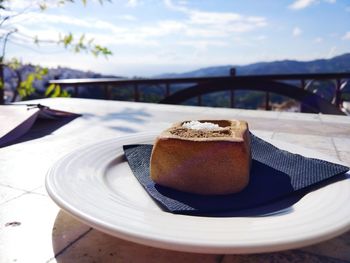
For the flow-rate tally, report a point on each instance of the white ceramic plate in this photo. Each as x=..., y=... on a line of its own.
x=96, y=185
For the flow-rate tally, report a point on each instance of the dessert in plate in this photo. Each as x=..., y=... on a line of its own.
x=211, y=157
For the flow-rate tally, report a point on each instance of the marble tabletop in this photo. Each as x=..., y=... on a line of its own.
x=34, y=229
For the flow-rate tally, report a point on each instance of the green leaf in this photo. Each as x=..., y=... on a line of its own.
x=54, y=91
x=43, y=71
x=21, y=90
x=49, y=89
x=26, y=86
x=30, y=79
x=97, y=50
x=57, y=91
x=65, y=94
x=81, y=39
x=67, y=40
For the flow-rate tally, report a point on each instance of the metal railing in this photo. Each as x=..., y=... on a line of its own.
x=294, y=86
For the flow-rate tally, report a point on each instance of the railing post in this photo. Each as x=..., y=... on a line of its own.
x=199, y=100
x=267, y=101
x=136, y=93
x=167, y=89
x=76, y=90
x=303, y=83
x=232, y=98
x=2, y=84
x=338, y=93
x=232, y=91
x=107, y=92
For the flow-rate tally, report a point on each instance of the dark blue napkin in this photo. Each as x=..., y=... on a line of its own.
x=275, y=174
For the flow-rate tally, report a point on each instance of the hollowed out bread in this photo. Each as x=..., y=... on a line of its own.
x=210, y=162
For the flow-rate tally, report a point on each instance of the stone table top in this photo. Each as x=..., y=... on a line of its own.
x=34, y=229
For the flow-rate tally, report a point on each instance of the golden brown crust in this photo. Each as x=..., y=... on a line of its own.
x=203, y=165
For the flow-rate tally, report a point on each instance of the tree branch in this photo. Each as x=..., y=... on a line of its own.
x=5, y=42
x=19, y=80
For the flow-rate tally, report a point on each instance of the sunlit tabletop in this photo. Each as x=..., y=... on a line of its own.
x=34, y=229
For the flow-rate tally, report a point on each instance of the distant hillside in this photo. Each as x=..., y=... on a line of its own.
x=11, y=80
x=252, y=99
x=244, y=99
x=335, y=65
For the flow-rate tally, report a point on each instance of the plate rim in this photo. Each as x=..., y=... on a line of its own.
x=166, y=243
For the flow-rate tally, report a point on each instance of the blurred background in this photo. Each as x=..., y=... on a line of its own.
x=44, y=40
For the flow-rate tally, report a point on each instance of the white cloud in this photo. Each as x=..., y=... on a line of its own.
x=133, y=3
x=237, y=22
x=48, y=28
x=296, y=32
x=18, y=5
x=318, y=40
x=127, y=17
x=347, y=36
x=211, y=22
x=132, y=38
x=183, y=2
x=188, y=35
x=202, y=44
x=260, y=38
x=197, y=28
x=39, y=18
x=162, y=28
x=35, y=5
x=301, y=4
x=181, y=7
x=207, y=28
x=203, y=18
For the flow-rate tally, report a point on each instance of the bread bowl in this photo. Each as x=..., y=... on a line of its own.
x=210, y=157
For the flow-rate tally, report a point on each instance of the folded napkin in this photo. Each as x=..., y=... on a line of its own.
x=18, y=119
x=275, y=174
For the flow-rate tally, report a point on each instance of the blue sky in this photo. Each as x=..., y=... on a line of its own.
x=150, y=37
